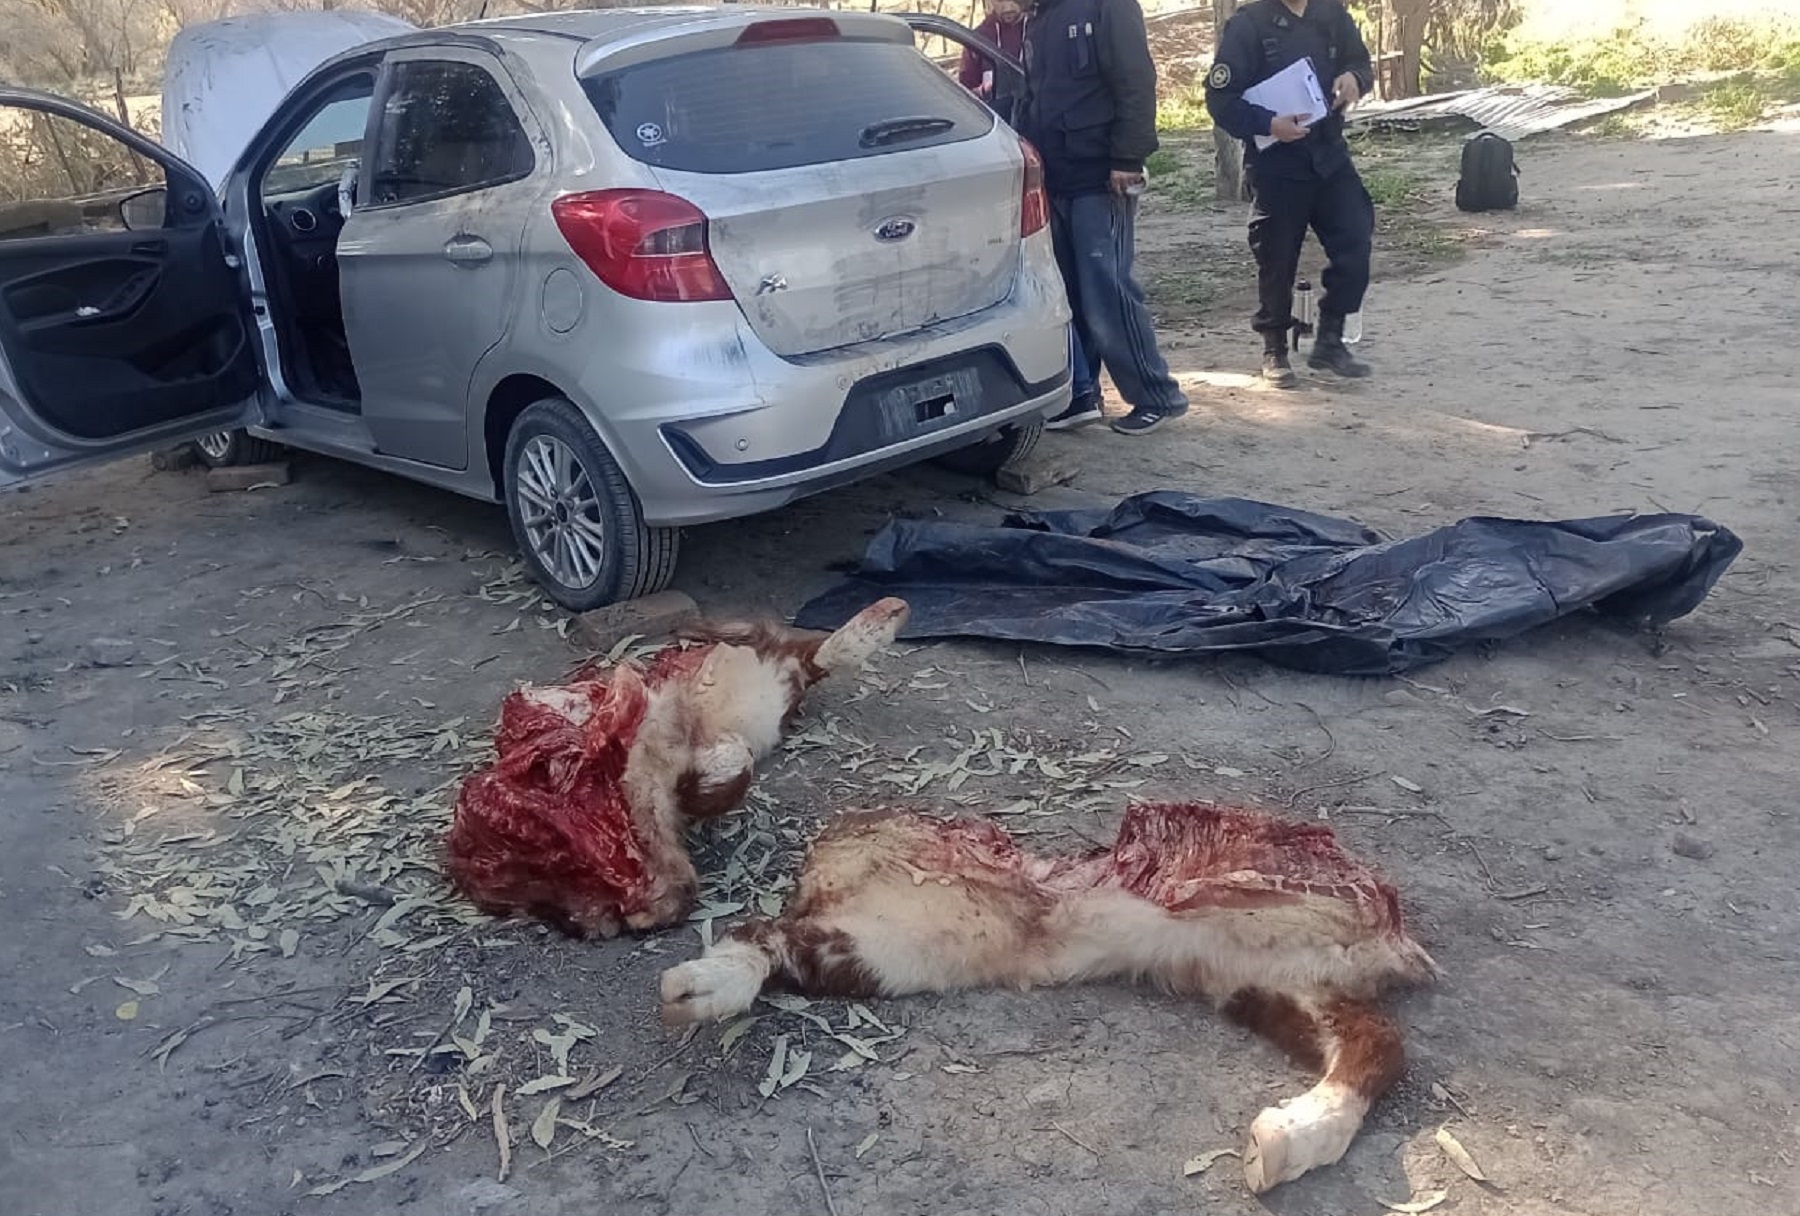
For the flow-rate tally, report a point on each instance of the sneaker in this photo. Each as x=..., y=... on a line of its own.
x=1141, y=421
x=1277, y=371
x=1083, y=411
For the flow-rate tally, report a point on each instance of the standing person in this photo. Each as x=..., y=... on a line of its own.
x=1304, y=179
x=1005, y=28
x=1090, y=110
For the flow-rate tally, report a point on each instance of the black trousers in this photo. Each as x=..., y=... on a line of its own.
x=1340, y=210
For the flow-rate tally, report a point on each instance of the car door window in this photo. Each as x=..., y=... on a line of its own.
x=60, y=178
x=446, y=128
x=329, y=143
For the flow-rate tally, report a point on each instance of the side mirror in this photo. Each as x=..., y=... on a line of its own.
x=146, y=210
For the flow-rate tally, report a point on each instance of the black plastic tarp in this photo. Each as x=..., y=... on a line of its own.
x=1171, y=572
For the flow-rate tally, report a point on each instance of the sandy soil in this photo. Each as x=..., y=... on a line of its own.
x=220, y=713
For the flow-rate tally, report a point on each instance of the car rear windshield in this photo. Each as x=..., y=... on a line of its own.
x=748, y=109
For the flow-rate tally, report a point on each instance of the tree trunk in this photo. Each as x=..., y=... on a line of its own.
x=1228, y=153
x=1410, y=19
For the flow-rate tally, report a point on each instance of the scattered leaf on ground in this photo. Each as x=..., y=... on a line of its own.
x=127, y=1011
x=1411, y=787
x=1204, y=1162
x=502, y=1132
x=1459, y=1156
x=866, y=1143
x=1424, y=1203
x=596, y=1083
x=374, y=1172
x=543, y=1128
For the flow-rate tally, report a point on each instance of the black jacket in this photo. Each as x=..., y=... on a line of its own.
x=1090, y=92
x=1259, y=41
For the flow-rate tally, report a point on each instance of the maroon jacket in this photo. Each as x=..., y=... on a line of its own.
x=1008, y=36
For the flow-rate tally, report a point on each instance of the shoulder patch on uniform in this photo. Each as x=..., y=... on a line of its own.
x=1219, y=77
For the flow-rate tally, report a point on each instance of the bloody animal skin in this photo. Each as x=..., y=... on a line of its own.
x=578, y=821
x=1269, y=920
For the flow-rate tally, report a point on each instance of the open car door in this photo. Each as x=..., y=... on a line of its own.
x=926, y=26
x=124, y=321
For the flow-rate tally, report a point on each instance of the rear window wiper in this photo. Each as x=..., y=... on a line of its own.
x=898, y=130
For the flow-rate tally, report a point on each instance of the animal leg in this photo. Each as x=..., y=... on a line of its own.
x=862, y=636
x=1354, y=1044
x=726, y=980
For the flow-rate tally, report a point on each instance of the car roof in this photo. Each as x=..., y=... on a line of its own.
x=610, y=24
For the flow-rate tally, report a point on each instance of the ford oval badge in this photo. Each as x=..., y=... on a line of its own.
x=896, y=229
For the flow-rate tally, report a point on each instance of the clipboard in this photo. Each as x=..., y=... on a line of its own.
x=1294, y=90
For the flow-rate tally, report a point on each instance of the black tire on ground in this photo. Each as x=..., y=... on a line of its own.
x=586, y=543
x=984, y=459
x=226, y=449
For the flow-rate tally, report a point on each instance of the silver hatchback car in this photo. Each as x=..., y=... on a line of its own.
x=623, y=271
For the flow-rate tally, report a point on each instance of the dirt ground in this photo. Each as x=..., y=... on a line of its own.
x=230, y=727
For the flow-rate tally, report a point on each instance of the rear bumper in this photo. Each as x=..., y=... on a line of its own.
x=704, y=502
x=708, y=424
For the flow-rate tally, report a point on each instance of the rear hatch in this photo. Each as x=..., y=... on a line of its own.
x=852, y=190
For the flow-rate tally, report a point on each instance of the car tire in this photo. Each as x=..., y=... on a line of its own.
x=224, y=449
x=578, y=525
x=984, y=459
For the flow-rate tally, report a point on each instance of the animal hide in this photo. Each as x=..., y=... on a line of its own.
x=579, y=819
x=1269, y=920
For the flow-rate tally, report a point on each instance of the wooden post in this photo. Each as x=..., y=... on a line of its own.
x=1228, y=153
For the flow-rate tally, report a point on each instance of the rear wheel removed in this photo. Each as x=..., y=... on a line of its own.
x=1010, y=443
x=576, y=521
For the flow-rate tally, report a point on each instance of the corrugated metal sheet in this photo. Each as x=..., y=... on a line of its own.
x=1513, y=111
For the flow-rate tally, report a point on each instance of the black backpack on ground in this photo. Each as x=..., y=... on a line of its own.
x=1490, y=176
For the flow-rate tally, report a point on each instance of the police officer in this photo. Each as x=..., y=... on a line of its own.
x=1089, y=108
x=1304, y=179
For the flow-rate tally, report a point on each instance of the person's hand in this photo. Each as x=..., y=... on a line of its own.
x=1289, y=128
x=984, y=90
x=1345, y=92
x=1122, y=182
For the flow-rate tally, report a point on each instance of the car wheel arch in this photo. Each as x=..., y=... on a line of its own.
x=510, y=397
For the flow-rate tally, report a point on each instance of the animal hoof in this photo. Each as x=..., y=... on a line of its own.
x=1299, y=1135
x=711, y=988
x=1265, y=1157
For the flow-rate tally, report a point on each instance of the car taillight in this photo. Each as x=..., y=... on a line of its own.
x=642, y=243
x=789, y=29
x=1034, y=208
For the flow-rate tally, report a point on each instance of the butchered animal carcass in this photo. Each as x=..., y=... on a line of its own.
x=1268, y=919
x=579, y=819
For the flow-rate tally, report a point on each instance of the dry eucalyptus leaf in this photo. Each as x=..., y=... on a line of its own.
x=736, y=1031
x=596, y=1083
x=502, y=1132
x=777, y=1068
x=866, y=1143
x=1459, y=1156
x=545, y=1085
x=1411, y=787
x=1424, y=1203
x=374, y=1172
x=1204, y=1162
x=289, y=942
x=543, y=1128
x=140, y=987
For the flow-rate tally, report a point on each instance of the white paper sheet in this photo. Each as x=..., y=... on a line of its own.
x=1293, y=91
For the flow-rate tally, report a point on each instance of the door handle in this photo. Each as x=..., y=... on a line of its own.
x=468, y=250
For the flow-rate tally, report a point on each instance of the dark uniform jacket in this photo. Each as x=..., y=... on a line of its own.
x=1260, y=40
x=1090, y=92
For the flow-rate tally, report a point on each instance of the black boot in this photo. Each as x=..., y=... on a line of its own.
x=1329, y=354
x=1276, y=370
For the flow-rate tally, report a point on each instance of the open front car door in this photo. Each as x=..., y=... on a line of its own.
x=124, y=321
